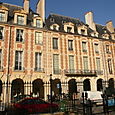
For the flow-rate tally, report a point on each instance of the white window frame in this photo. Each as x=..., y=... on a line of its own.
x=38, y=38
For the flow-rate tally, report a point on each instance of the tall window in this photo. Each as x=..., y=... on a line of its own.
x=2, y=17
x=70, y=44
x=0, y=59
x=82, y=32
x=20, y=20
x=71, y=64
x=18, y=60
x=38, y=23
x=98, y=64
x=38, y=38
x=56, y=64
x=96, y=47
x=38, y=61
x=109, y=66
x=19, y=35
x=108, y=49
x=85, y=63
x=84, y=47
x=1, y=33
x=55, y=43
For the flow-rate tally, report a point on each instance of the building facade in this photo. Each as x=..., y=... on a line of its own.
x=77, y=56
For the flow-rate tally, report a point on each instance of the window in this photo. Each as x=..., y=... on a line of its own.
x=84, y=47
x=96, y=47
x=56, y=64
x=18, y=60
x=98, y=64
x=2, y=17
x=55, y=43
x=38, y=23
x=69, y=29
x=19, y=35
x=1, y=33
x=109, y=66
x=82, y=32
x=38, y=61
x=54, y=27
x=38, y=38
x=108, y=49
x=85, y=63
x=70, y=44
x=20, y=20
x=71, y=64
x=0, y=59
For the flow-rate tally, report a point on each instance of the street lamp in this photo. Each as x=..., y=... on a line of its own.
x=51, y=87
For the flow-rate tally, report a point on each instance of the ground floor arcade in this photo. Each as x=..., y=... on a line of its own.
x=41, y=88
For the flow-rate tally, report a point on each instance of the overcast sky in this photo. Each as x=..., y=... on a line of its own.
x=104, y=10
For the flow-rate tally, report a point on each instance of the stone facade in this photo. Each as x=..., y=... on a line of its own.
x=91, y=47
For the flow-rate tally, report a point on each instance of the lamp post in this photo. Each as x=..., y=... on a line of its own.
x=51, y=88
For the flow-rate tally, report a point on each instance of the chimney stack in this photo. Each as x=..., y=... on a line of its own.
x=89, y=20
x=40, y=9
x=26, y=5
x=109, y=26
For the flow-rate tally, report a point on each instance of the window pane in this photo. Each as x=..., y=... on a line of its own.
x=38, y=61
x=110, y=66
x=98, y=64
x=20, y=20
x=38, y=38
x=18, y=60
x=2, y=16
x=96, y=48
x=85, y=62
x=19, y=35
x=1, y=32
x=70, y=44
x=56, y=63
x=84, y=47
x=55, y=43
x=38, y=23
x=71, y=64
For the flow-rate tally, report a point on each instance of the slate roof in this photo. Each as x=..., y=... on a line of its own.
x=60, y=20
x=11, y=10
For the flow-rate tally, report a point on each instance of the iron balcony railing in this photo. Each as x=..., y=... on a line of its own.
x=83, y=72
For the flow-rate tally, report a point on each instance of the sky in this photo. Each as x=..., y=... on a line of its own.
x=103, y=10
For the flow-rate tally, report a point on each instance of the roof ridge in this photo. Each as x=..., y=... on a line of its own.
x=65, y=16
x=12, y=5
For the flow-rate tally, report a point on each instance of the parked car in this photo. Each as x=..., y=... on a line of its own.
x=32, y=105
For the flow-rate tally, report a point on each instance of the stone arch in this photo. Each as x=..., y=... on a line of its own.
x=17, y=87
x=111, y=83
x=56, y=86
x=86, y=85
x=99, y=84
x=38, y=88
x=72, y=86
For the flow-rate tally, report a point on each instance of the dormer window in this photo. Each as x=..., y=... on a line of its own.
x=69, y=29
x=1, y=33
x=2, y=17
x=38, y=23
x=54, y=27
x=20, y=20
x=51, y=19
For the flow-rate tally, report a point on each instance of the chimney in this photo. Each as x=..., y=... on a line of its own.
x=40, y=9
x=26, y=5
x=109, y=26
x=89, y=20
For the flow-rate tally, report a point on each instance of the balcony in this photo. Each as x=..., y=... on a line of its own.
x=83, y=73
x=39, y=69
